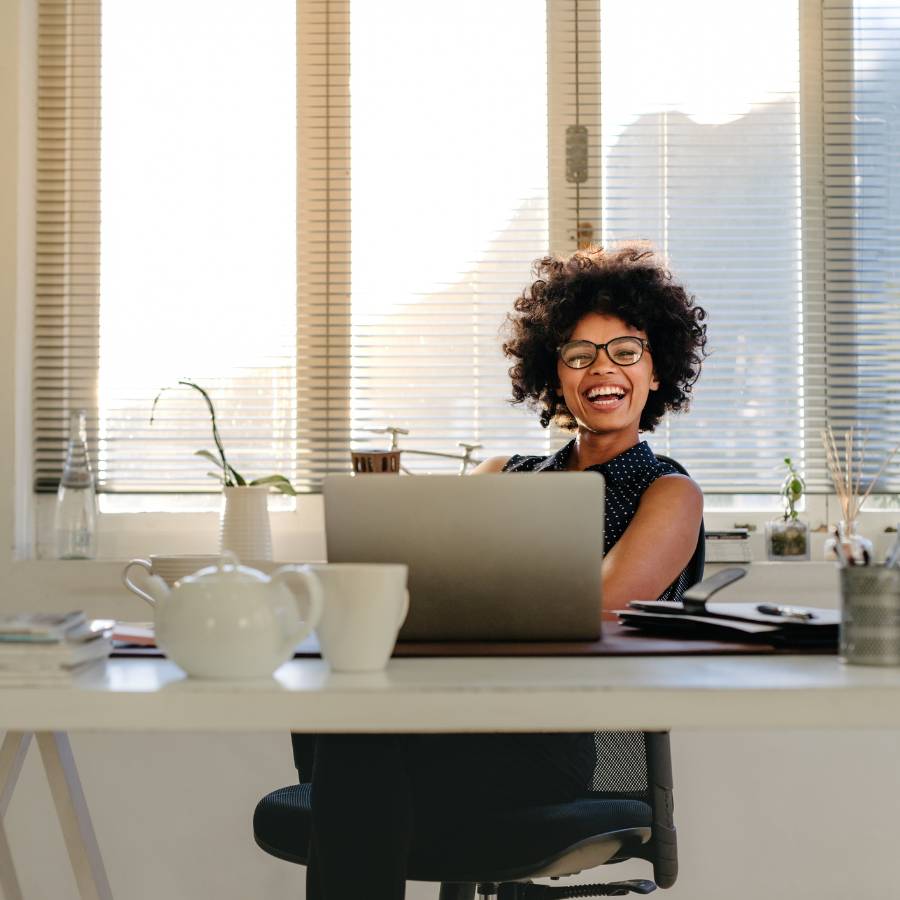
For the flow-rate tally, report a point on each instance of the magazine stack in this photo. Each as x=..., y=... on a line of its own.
x=50, y=648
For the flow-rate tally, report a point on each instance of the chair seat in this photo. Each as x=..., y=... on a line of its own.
x=484, y=845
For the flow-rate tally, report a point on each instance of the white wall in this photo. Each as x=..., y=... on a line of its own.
x=789, y=815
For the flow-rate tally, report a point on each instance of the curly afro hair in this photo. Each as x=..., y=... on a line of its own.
x=628, y=283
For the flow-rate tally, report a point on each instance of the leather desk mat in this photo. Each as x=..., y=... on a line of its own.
x=617, y=641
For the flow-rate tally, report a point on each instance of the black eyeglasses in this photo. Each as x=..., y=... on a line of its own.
x=623, y=351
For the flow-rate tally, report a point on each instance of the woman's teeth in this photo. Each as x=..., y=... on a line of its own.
x=604, y=399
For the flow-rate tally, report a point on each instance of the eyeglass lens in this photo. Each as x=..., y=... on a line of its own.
x=623, y=351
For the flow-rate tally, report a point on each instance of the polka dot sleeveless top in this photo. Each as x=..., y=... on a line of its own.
x=627, y=476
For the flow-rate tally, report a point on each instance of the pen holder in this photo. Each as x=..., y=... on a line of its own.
x=870, y=615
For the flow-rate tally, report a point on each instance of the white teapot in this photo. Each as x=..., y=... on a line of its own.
x=232, y=621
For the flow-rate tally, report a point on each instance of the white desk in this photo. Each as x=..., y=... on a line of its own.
x=485, y=694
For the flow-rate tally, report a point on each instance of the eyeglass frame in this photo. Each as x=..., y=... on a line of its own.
x=645, y=346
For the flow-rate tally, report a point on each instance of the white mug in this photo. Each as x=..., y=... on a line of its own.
x=364, y=606
x=174, y=568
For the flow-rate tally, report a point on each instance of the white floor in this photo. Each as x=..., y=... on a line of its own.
x=791, y=816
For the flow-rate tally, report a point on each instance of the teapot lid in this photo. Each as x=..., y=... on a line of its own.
x=228, y=569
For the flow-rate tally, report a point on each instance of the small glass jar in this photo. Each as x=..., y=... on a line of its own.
x=787, y=540
x=858, y=549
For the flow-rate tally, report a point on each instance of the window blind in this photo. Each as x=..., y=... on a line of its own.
x=701, y=159
x=449, y=167
x=166, y=238
x=67, y=264
x=861, y=125
x=482, y=136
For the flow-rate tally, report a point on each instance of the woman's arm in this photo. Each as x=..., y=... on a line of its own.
x=494, y=464
x=657, y=544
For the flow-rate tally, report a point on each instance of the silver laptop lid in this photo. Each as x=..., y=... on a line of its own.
x=491, y=557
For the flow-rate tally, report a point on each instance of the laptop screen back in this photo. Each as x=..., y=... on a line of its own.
x=491, y=557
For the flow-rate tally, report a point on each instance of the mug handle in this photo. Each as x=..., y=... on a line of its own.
x=288, y=574
x=144, y=564
x=403, y=609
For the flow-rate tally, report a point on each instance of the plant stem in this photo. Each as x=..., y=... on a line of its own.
x=226, y=468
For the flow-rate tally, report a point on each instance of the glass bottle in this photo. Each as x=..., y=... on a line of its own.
x=858, y=549
x=75, y=522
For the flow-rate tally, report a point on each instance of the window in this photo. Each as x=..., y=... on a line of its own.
x=169, y=251
x=433, y=162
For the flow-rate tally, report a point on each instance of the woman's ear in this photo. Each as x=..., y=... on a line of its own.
x=654, y=382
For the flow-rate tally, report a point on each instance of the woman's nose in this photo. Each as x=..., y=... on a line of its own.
x=601, y=364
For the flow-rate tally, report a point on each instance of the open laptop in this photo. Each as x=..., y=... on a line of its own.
x=491, y=557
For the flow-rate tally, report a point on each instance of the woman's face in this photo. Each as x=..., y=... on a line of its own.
x=587, y=391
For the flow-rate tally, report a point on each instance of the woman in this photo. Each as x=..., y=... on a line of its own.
x=604, y=343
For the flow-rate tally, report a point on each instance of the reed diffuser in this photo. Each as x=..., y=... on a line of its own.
x=846, y=475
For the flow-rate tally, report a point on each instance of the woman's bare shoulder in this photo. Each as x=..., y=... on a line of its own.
x=488, y=466
x=674, y=488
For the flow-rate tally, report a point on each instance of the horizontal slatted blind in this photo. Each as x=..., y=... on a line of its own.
x=323, y=238
x=770, y=190
x=701, y=158
x=189, y=270
x=861, y=65
x=67, y=265
x=450, y=209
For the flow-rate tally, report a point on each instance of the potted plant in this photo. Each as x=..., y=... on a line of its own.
x=244, y=523
x=787, y=538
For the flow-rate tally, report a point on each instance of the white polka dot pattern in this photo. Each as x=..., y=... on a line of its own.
x=627, y=476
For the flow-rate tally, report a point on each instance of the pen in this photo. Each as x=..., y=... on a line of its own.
x=788, y=612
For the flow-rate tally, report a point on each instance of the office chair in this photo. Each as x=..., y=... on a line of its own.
x=626, y=813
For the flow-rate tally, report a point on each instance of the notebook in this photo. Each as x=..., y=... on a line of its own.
x=491, y=557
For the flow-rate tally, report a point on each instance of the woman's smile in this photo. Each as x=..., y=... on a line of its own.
x=605, y=396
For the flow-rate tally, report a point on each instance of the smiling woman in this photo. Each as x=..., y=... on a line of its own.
x=605, y=343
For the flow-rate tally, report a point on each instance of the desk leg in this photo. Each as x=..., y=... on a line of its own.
x=12, y=755
x=71, y=808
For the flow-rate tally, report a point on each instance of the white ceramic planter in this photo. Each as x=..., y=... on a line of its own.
x=245, y=528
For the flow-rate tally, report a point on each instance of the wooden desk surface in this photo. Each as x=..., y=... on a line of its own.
x=485, y=694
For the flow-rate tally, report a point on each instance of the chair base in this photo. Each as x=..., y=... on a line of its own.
x=527, y=891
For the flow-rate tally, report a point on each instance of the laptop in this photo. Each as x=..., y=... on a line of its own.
x=491, y=557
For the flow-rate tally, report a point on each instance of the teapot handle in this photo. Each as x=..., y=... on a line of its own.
x=314, y=592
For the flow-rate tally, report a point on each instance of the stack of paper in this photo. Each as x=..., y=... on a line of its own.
x=48, y=648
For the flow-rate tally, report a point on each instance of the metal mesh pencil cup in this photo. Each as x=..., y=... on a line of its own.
x=870, y=615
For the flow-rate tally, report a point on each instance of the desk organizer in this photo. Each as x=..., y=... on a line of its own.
x=870, y=615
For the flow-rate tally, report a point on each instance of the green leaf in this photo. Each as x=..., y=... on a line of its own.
x=279, y=482
x=285, y=487
x=216, y=475
x=211, y=457
x=239, y=479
